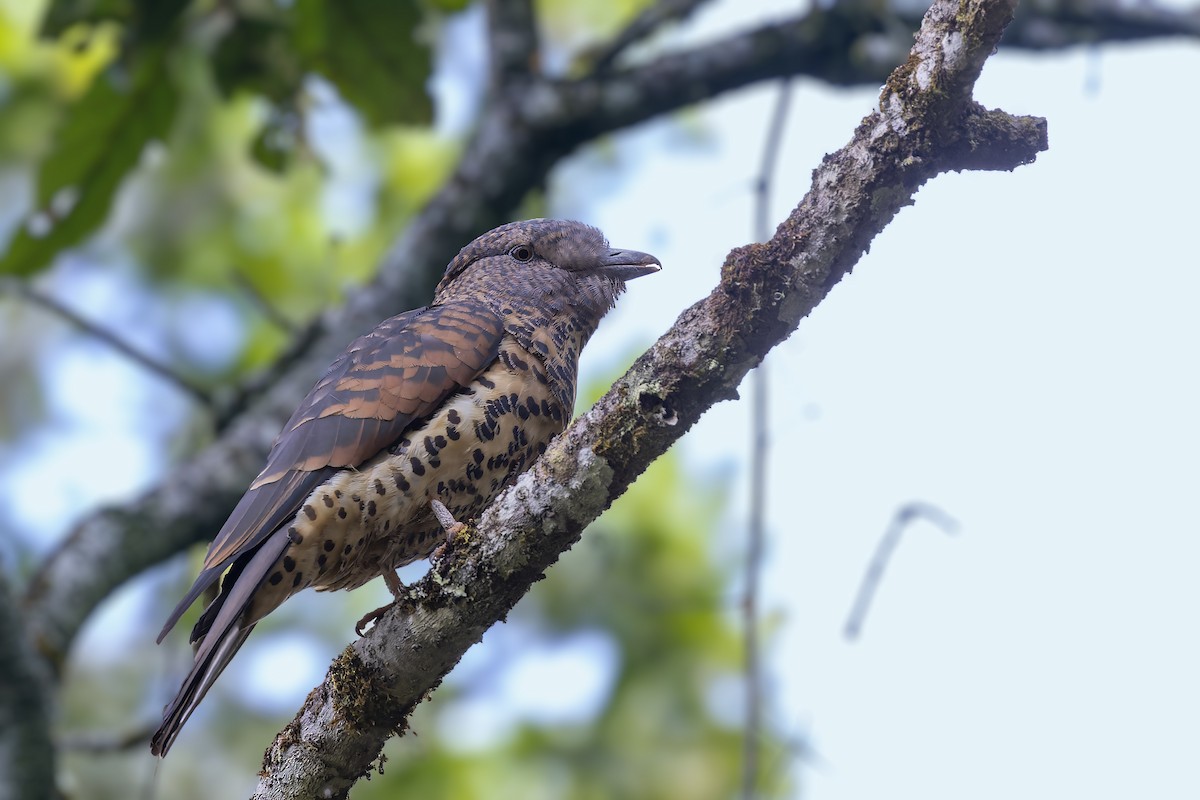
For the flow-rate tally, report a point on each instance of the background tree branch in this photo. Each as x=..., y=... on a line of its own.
x=916, y=133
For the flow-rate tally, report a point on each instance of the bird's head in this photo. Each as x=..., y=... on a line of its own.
x=540, y=257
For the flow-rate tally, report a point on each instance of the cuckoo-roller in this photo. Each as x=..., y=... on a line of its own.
x=415, y=427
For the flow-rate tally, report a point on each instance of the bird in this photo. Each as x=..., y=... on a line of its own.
x=415, y=427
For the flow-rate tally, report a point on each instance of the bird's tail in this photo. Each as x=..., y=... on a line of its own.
x=210, y=662
x=220, y=632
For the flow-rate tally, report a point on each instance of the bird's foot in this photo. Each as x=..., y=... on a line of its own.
x=396, y=587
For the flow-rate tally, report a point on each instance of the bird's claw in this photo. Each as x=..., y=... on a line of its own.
x=370, y=618
x=396, y=587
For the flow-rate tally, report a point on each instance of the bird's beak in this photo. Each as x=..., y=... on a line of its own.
x=625, y=265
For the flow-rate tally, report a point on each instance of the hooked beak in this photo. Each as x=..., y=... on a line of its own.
x=625, y=265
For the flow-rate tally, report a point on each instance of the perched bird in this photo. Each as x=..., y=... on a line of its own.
x=417, y=425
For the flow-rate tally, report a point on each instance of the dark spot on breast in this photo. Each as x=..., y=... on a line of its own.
x=371, y=508
x=452, y=433
x=296, y=580
x=402, y=484
x=329, y=545
x=485, y=382
x=294, y=536
x=310, y=512
x=440, y=441
x=523, y=412
x=430, y=446
x=477, y=455
x=342, y=512
x=347, y=549
x=321, y=560
x=379, y=487
x=337, y=493
x=275, y=578
x=417, y=467
x=327, y=500
x=289, y=563
x=453, y=416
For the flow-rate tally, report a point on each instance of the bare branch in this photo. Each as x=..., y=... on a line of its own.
x=513, y=39
x=759, y=439
x=105, y=742
x=269, y=310
x=765, y=290
x=643, y=26
x=904, y=516
x=101, y=334
x=1057, y=24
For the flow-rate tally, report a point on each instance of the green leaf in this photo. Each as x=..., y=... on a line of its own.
x=147, y=20
x=370, y=50
x=62, y=14
x=257, y=55
x=99, y=142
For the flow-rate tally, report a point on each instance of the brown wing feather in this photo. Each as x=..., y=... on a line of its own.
x=374, y=391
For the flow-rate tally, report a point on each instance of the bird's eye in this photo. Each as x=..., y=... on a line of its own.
x=521, y=252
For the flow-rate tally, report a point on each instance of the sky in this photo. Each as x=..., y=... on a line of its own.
x=1017, y=349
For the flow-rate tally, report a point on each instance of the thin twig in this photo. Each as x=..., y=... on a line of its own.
x=104, y=742
x=265, y=307
x=642, y=26
x=904, y=516
x=758, y=469
x=144, y=360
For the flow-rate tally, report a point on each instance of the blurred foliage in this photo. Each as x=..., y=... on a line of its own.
x=162, y=161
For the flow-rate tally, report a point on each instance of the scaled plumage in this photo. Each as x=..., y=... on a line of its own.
x=449, y=402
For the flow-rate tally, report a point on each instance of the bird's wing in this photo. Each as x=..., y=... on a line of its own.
x=372, y=393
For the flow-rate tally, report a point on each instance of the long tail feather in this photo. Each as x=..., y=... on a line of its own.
x=204, y=673
x=222, y=630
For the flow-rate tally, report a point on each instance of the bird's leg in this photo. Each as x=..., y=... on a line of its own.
x=396, y=587
x=449, y=524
